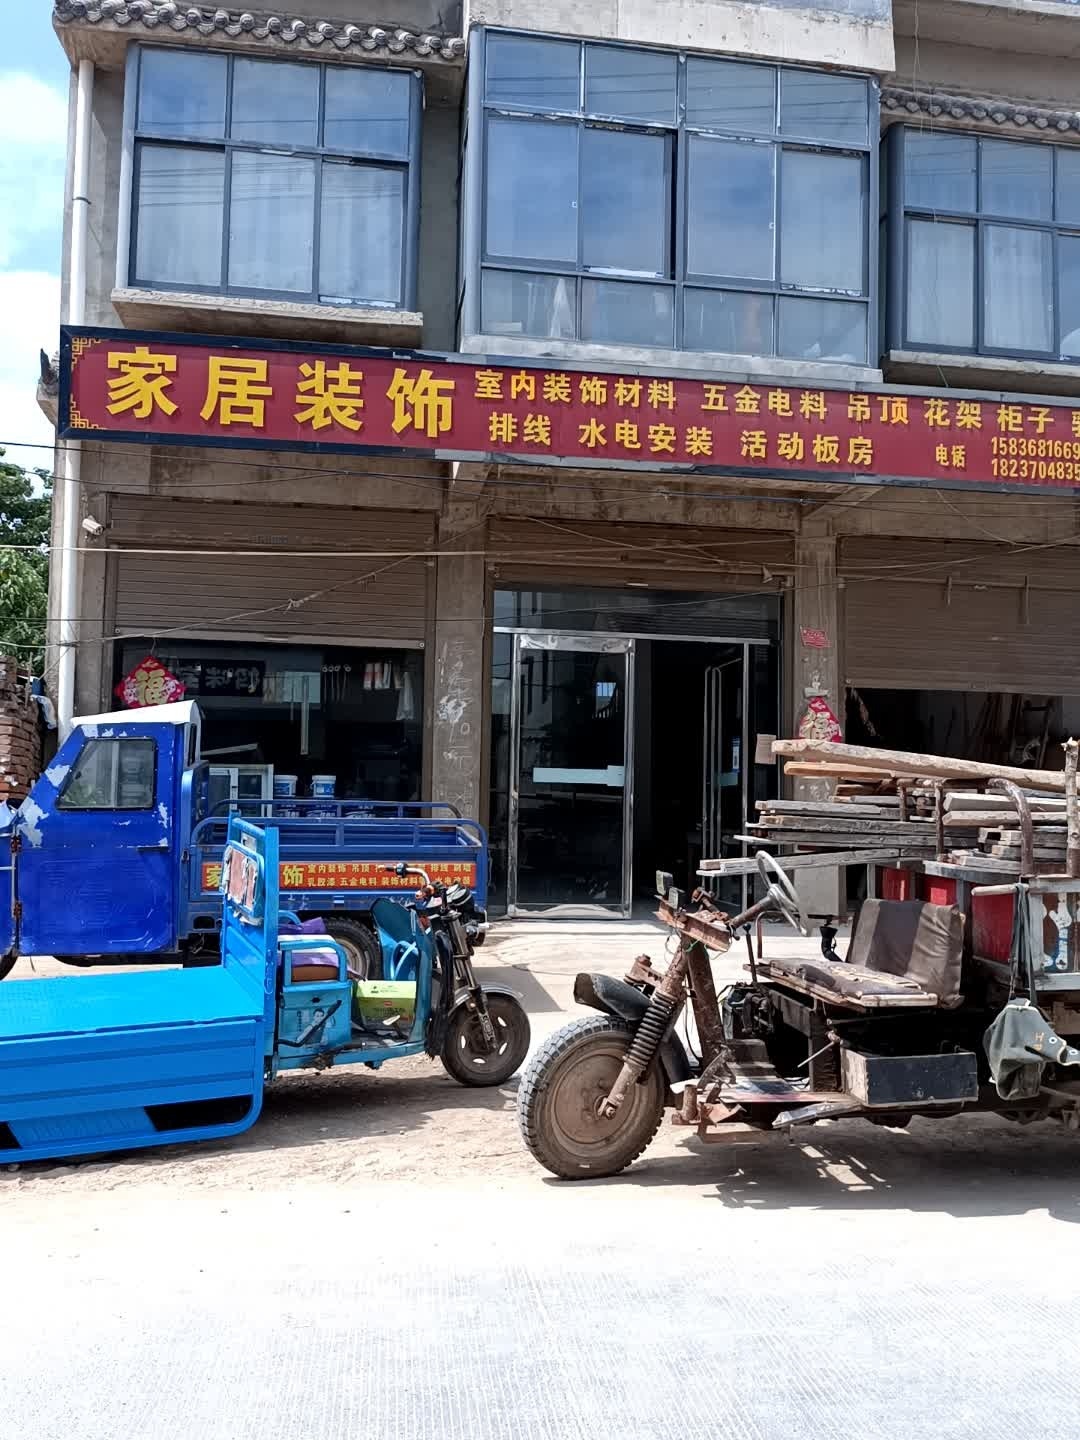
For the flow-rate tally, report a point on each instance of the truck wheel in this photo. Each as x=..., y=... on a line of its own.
x=360, y=943
x=7, y=964
x=558, y=1096
x=467, y=1059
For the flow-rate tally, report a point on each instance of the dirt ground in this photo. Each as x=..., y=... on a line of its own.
x=410, y=1122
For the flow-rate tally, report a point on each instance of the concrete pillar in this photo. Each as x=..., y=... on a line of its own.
x=459, y=700
x=816, y=673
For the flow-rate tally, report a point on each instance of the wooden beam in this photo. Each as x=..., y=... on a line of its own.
x=861, y=758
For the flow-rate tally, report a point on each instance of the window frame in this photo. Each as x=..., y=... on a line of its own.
x=118, y=742
x=136, y=138
x=898, y=223
x=680, y=133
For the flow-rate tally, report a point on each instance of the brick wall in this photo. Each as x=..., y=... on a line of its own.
x=20, y=734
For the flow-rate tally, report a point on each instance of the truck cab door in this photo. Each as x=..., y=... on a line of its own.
x=96, y=869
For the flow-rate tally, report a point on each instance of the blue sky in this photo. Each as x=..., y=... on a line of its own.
x=33, y=126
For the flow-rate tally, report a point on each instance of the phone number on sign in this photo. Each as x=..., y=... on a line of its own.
x=1064, y=470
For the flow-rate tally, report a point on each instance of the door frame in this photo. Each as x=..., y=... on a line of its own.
x=584, y=643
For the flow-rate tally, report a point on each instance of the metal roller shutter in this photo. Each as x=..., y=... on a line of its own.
x=702, y=559
x=951, y=615
x=275, y=596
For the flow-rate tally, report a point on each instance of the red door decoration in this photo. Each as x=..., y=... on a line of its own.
x=149, y=684
x=819, y=722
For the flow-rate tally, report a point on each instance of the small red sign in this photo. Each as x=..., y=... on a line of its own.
x=814, y=639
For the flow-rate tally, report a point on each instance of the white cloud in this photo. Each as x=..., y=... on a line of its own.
x=33, y=145
x=33, y=113
x=29, y=323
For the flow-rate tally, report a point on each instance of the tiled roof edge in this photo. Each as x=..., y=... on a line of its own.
x=209, y=21
x=1010, y=114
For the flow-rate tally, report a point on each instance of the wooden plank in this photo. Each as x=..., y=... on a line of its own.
x=840, y=808
x=748, y=865
x=981, y=800
x=973, y=819
x=908, y=829
x=824, y=769
x=830, y=840
x=938, y=767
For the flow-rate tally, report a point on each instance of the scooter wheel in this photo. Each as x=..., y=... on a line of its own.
x=465, y=1056
x=560, y=1091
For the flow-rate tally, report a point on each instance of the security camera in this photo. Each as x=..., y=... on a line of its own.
x=92, y=526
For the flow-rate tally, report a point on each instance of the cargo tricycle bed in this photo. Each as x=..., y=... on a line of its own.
x=106, y=1062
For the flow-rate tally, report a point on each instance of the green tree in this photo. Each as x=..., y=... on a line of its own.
x=25, y=510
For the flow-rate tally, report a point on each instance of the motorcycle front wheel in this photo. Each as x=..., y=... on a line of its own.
x=560, y=1092
x=465, y=1056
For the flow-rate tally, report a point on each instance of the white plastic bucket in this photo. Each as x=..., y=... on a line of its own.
x=323, y=787
x=284, y=787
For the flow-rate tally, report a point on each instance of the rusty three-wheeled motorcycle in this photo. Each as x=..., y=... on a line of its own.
x=912, y=1021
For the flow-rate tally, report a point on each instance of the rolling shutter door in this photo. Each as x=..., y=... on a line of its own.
x=271, y=596
x=951, y=615
x=680, y=556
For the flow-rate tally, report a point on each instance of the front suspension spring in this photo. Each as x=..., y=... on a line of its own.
x=646, y=1042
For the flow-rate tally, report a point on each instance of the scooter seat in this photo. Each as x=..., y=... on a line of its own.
x=316, y=967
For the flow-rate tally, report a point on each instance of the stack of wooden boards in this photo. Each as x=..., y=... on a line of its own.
x=918, y=806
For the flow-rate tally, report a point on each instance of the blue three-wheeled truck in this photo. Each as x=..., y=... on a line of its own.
x=133, y=1058
x=115, y=855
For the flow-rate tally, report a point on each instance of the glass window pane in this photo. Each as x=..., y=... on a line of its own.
x=627, y=314
x=730, y=220
x=725, y=95
x=941, y=284
x=823, y=107
x=111, y=775
x=275, y=103
x=178, y=216
x=363, y=209
x=367, y=111
x=532, y=190
x=520, y=304
x=182, y=93
x=725, y=321
x=939, y=171
x=1016, y=179
x=1069, y=294
x=822, y=330
x=271, y=222
x=626, y=201
x=1068, y=186
x=822, y=221
x=1018, y=293
x=536, y=74
x=633, y=84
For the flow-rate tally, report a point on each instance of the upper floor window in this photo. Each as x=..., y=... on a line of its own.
x=639, y=197
x=269, y=178
x=986, y=235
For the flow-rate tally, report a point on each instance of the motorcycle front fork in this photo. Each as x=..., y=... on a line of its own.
x=664, y=1005
x=477, y=1001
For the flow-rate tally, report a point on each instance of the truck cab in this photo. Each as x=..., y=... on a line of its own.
x=93, y=849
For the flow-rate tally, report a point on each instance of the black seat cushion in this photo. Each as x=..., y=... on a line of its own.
x=912, y=939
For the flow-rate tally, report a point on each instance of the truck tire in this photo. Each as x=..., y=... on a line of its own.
x=557, y=1099
x=360, y=943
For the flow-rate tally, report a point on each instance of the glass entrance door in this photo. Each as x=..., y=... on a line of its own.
x=571, y=747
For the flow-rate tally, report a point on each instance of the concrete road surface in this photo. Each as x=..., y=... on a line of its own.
x=380, y=1258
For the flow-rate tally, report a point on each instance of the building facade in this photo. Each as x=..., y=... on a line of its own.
x=867, y=206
